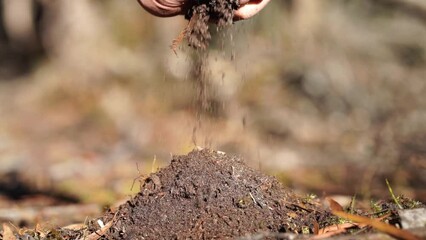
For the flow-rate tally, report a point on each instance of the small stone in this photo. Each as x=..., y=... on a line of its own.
x=413, y=218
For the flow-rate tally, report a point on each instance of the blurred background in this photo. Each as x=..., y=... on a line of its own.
x=329, y=96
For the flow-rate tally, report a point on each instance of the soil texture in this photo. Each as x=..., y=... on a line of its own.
x=220, y=12
x=210, y=195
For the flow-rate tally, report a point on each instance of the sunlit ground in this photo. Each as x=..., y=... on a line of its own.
x=327, y=96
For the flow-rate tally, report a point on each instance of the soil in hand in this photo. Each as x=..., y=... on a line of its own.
x=203, y=12
x=208, y=194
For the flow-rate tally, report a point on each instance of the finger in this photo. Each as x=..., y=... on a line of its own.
x=250, y=9
x=163, y=8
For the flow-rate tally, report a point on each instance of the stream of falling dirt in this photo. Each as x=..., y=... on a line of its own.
x=198, y=34
x=203, y=91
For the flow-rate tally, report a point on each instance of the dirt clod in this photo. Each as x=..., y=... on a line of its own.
x=208, y=194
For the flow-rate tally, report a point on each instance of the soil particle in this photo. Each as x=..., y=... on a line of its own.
x=209, y=195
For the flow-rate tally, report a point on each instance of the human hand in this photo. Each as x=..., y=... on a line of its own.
x=170, y=8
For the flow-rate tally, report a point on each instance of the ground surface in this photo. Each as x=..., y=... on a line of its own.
x=208, y=194
x=322, y=94
x=213, y=195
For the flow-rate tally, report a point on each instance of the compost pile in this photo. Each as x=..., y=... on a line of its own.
x=208, y=194
x=219, y=12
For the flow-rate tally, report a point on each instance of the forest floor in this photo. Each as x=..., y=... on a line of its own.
x=212, y=195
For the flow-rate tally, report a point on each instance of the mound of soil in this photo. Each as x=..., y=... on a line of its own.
x=208, y=194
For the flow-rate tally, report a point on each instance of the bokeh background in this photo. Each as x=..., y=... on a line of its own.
x=329, y=96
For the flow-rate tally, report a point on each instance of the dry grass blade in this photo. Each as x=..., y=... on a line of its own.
x=377, y=224
x=8, y=233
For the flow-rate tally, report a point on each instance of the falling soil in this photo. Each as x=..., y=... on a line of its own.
x=208, y=194
x=202, y=15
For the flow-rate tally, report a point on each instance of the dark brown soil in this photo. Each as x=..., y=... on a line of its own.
x=210, y=195
x=220, y=12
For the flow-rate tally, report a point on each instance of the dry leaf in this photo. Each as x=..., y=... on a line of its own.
x=334, y=206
